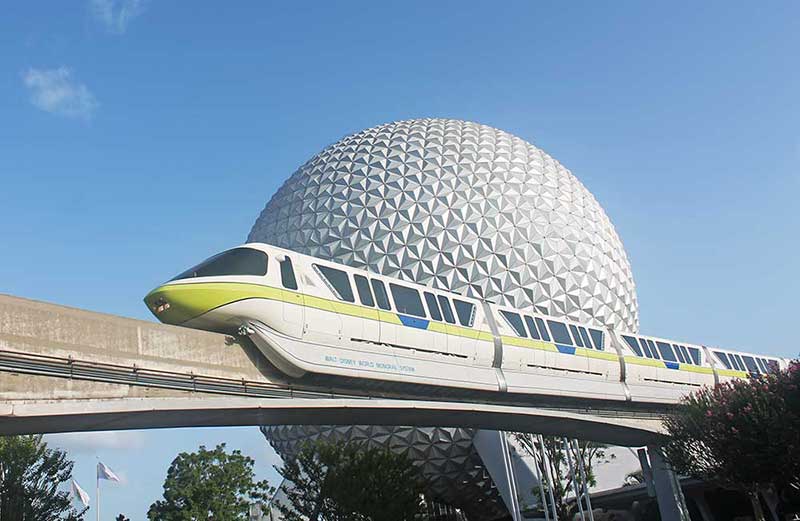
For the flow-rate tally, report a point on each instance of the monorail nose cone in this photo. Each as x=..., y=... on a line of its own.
x=172, y=304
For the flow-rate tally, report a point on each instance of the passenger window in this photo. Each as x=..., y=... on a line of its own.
x=407, y=301
x=380, y=294
x=695, y=355
x=433, y=307
x=364, y=294
x=515, y=322
x=666, y=352
x=723, y=358
x=597, y=337
x=287, y=274
x=338, y=281
x=763, y=365
x=646, y=348
x=679, y=353
x=633, y=344
x=238, y=261
x=576, y=336
x=447, y=311
x=585, y=337
x=542, y=329
x=773, y=366
x=739, y=364
x=750, y=364
x=532, y=328
x=683, y=354
x=465, y=312
x=560, y=333
x=653, y=349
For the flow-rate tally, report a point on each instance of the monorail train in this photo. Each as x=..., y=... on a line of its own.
x=309, y=315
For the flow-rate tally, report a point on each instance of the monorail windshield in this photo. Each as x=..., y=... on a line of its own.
x=238, y=261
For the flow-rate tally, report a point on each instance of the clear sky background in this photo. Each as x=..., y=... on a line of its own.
x=137, y=138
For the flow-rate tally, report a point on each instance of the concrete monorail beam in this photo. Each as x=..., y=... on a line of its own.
x=207, y=411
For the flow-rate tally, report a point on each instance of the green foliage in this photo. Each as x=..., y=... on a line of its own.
x=634, y=478
x=340, y=482
x=31, y=475
x=743, y=433
x=209, y=484
x=591, y=454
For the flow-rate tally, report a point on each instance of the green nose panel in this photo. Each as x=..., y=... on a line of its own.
x=183, y=302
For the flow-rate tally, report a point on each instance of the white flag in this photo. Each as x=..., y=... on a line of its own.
x=103, y=472
x=79, y=494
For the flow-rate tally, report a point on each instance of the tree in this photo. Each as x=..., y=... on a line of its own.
x=591, y=454
x=31, y=479
x=122, y=517
x=209, y=484
x=744, y=434
x=350, y=482
x=634, y=478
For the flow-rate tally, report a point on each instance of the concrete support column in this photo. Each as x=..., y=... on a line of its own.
x=671, y=503
x=492, y=447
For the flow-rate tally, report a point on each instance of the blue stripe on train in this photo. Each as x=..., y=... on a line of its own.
x=672, y=365
x=567, y=350
x=418, y=323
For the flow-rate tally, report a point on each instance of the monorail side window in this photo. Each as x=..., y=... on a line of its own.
x=723, y=358
x=681, y=358
x=773, y=366
x=287, y=274
x=380, y=294
x=447, y=311
x=666, y=351
x=653, y=349
x=238, y=261
x=532, y=328
x=515, y=322
x=364, y=294
x=597, y=337
x=750, y=363
x=542, y=329
x=695, y=353
x=559, y=332
x=576, y=336
x=338, y=281
x=646, y=348
x=407, y=301
x=433, y=307
x=465, y=312
x=738, y=362
x=633, y=344
x=587, y=343
x=762, y=365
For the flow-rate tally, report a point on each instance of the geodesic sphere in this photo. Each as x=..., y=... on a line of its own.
x=458, y=206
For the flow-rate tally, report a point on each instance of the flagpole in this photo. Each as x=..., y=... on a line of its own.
x=97, y=480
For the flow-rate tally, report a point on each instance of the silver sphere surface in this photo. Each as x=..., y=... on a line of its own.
x=458, y=206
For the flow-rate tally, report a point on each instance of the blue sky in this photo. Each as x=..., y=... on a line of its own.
x=138, y=137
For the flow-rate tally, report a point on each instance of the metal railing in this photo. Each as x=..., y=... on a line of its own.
x=60, y=367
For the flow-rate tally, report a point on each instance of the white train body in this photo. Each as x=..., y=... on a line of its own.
x=308, y=315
